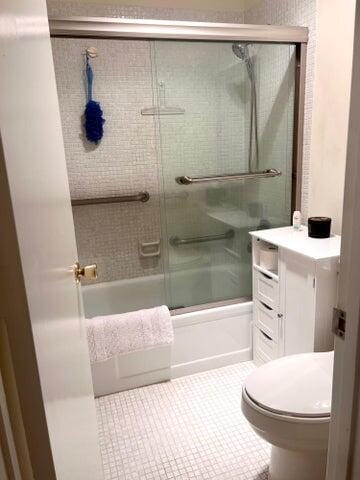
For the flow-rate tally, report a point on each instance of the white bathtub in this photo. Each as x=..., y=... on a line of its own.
x=204, y=339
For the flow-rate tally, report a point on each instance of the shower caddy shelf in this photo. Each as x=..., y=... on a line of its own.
x=186, y=180
x=162, y=108
x=138, y=197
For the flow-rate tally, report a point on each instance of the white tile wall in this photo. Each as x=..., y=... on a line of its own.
x=274, y=67
x=212, y=138
x=126, y=160
x=60, y=8
x=302, y=13
x=189, y=428
x=208, y=139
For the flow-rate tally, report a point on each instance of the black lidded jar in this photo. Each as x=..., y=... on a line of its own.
x=319, y=227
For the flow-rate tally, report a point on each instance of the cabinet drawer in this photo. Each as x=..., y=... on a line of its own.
x=264, y=347
x=266, y=289
x=266, y=319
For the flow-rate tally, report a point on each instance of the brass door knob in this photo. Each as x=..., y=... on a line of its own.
x=89, y=272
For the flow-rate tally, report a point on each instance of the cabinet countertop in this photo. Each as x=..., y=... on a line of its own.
x=298, y=241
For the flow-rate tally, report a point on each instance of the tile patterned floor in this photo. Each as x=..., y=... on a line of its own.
x=189, y=428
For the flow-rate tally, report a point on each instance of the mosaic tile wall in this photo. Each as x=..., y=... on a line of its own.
x=127, y=159
x=66, y=8
x=302, y=13
x=214, y=139
x=209, y=139
x=274, y=67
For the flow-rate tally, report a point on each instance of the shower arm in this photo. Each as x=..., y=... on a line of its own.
x=185, y=180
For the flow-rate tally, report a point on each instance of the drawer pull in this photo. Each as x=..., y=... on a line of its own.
x=266, y=306
x=266, y=336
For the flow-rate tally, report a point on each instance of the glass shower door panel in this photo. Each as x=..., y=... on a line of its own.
x=205, y=95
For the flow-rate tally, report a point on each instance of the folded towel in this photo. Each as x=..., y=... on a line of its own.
x=112, y=335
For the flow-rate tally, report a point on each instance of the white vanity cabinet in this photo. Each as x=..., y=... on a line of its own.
x=293, y=302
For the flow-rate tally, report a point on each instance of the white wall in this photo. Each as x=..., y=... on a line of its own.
x=333, y=65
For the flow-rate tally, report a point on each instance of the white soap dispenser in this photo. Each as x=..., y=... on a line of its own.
x=297, y=220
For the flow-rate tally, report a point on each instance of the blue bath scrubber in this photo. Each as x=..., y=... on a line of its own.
x=93, y=114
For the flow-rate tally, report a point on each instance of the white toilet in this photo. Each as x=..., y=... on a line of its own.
x=287, y=402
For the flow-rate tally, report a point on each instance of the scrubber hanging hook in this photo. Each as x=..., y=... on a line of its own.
x=90, y=52
x=89, y=78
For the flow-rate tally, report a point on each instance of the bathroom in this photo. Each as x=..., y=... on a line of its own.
x=204, y=211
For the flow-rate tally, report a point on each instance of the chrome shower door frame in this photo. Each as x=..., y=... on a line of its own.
x=102, y=27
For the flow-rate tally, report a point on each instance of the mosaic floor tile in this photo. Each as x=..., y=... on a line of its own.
x=186, y=429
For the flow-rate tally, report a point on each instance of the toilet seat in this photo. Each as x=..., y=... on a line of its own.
x=297, y=386
x=276, y=417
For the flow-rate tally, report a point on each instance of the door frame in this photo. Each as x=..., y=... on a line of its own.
x=344, y=441
x=44, y=357
x=125, y=28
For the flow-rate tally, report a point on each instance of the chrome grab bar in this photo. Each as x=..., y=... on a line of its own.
x=176, y=241
x=139, y=197
x=185, y=180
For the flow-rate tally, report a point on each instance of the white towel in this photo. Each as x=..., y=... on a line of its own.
x=112, y=335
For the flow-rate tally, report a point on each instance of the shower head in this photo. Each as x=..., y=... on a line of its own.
x=241, y=50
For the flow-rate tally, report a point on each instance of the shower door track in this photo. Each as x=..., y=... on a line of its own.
x=123, y=28
x=133, y=28
x=207, y=306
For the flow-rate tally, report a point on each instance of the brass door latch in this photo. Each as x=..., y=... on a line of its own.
x=89, y=272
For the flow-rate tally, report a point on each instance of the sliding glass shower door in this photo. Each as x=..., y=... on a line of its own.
x=222, y=109
x=176, y=111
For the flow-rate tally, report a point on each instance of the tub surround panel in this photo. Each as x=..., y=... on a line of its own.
x=228, y=341
x=226, y=330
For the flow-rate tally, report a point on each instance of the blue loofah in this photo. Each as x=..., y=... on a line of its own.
x=93, y=114
x=93, y=121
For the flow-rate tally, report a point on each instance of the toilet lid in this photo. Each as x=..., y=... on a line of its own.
x=297, y=385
